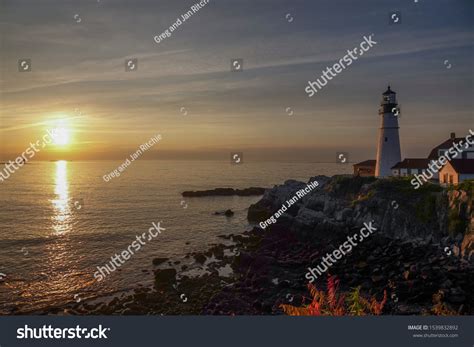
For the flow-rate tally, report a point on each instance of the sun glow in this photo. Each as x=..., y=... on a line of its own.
x=61, y=133
x=62, y=212
x=60, y=136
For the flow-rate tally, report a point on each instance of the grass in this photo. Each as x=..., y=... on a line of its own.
x=425, y=209
x=403, y=186
x=458, y=222
x=467, y=186
x=349, y=186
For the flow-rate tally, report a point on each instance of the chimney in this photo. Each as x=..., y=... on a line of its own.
x=453, y=136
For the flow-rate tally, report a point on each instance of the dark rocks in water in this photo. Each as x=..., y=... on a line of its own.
x=260, y=211
x=227, y=213
x=164, y=278
x=158, y=261
x=200, y=258
x=225, y=192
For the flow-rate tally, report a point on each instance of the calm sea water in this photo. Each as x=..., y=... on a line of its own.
x=60, y=220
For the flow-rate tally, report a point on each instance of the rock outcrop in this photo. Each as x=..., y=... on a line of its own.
x=342, y=203
x=225, y=192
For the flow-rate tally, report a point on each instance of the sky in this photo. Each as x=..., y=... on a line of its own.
x=184, y=88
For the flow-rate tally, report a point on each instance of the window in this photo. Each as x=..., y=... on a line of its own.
x=451, y=180
x=445, y=178
x=386, y=139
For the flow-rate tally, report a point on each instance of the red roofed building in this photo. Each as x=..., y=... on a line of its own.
x=467, y=153
x=365, y=168
x=455, y=148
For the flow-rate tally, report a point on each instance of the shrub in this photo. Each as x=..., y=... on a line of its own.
x=425, y=210
x=467, y=186
x=403, y=185
x=333, y=303
x=349, y=185
x=439, y=307
x=456, y=224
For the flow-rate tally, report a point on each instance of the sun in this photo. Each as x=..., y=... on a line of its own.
x=60, y=133
x=60, y=136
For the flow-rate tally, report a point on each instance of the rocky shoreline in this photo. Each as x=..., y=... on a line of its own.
x=225, y=192
x=423, y=248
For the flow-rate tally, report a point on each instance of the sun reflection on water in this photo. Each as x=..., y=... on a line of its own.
x=62, y=211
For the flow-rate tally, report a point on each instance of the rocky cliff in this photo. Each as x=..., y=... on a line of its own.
x=430, y=214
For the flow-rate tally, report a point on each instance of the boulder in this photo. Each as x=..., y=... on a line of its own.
x=273, y=199
x=158, y=261
x=316, y=202
x=307, y=220
x=343, y=215
x=164, y=278
x=227, y=213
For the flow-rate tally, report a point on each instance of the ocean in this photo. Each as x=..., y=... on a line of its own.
x=60, y=220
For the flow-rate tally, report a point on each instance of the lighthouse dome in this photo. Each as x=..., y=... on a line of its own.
x=389, y=91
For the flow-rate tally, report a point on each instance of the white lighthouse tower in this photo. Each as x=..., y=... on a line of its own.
x=388, y=148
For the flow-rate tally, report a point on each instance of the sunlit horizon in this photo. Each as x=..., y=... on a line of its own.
x=184, y=88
